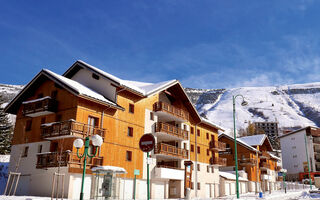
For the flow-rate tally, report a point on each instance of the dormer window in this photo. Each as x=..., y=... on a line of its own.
x=95, y=76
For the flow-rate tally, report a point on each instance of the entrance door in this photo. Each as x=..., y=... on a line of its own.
x=107, y=185
x=92, y=122
x=208, y=191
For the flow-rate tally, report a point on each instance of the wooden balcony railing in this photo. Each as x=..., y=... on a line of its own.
x=218, y=161
x=316, y=140
x=165, y=107
x=265, y=155
x=172, y=130
x=69, y=128
x=264, y=165
x=166, y=149
x=247, y=161
x=39, y=105
x=217, y=146
x=64, y=159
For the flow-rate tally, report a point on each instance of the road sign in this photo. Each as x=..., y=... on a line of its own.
x=136, y=172
x=147, y=142
x=280, y=173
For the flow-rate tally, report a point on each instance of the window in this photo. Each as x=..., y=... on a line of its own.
x=192, y=130
x=208, y=168
x=40, y=148
x=40, y=95
x=198, y=132
x=58, y=118
x=130, y=132
x=131, y=108
x=25, y=151
x=295, y=166
x=192, y=148
x=92, y=122
x=198, y=185
x=184, y=145
x=294, y=147
x=198, y=167
x=294, y=156
x=129, y=155
x=212, y=169
x=293, y=138
x=208, y=152
x=198, y=149
x=54, y=94
x=184, y=127
x=207, y=136
x=151, y=116
x=95, y=76
x=28, y=125
x=43, y=120
x=191, y=185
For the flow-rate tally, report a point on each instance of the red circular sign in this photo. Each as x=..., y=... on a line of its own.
x=147, y=142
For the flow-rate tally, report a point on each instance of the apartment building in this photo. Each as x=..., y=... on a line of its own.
x=295, y=146
x=53, y=110
x=268, y=163
x=270, y=129
x=253, y=158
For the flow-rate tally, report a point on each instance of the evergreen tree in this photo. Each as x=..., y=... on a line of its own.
x=6, y=131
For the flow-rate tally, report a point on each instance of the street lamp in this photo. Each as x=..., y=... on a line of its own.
x=243, y=103
x=78, y=143
x=306, y=144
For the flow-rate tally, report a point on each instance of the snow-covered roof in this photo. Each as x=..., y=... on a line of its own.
x=254, y=140
x=238, y=141
x=274, y=157
x=81, y=89
x=113, y=169
x=206, y=121
x=143, y=88
x=36, y=100
x=231, y=176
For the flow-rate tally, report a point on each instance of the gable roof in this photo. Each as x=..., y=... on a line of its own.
x=256, y=140
x=240, y=142
x=70, y=85
x=139, y=88
x=210, y=123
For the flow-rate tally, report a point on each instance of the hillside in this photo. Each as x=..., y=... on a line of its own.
x=291, y=105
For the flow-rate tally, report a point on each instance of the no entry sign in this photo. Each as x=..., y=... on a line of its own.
x=147, y=142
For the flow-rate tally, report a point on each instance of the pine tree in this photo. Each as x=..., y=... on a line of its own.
x=6, y=131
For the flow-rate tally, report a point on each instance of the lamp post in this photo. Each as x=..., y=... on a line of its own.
x=306, y=144
x=78, y=143
x=243, y=103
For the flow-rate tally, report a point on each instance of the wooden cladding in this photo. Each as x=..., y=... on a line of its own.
x=217, y=146
x=247, y=160
x=264, y=165
x=40, y=105
x=168, y=108
x=218, y=161
x=70, y=128
x=170, y=150
x=265, y=155
x=64, y=159
x=172, y=130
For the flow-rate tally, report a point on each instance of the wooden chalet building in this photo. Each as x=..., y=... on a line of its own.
x=53, y=110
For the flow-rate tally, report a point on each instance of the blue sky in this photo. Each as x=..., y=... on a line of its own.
x=204, y=44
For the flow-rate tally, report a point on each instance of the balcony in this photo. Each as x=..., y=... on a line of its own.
x=170, y=112
x=163, y=172
x=246, y=160
x=217, y=146
x=316, y=140
x=264, y=166
x=69, y=128
x=65, y=159
x=218, y=161
x=170, y=151
x=278, y=168
x=39, y=107
x=170, y=131
x=265, y=155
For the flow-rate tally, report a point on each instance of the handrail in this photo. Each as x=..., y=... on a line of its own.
x=167, y=149
x=217, y=145
x=70, y=127
x=172, y=130
x=42, y=104
x=162, y=106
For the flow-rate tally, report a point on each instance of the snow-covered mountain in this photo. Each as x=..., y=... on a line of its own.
x=290, y=105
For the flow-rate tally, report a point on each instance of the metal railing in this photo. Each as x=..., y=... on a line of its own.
x=172, y=130
x=165, y=107
x=70, y=128
x=43, y=104
x=64, y=159
x=166, y=149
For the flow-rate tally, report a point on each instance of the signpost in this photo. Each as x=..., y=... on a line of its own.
x=136, y=173
x=146, y=144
